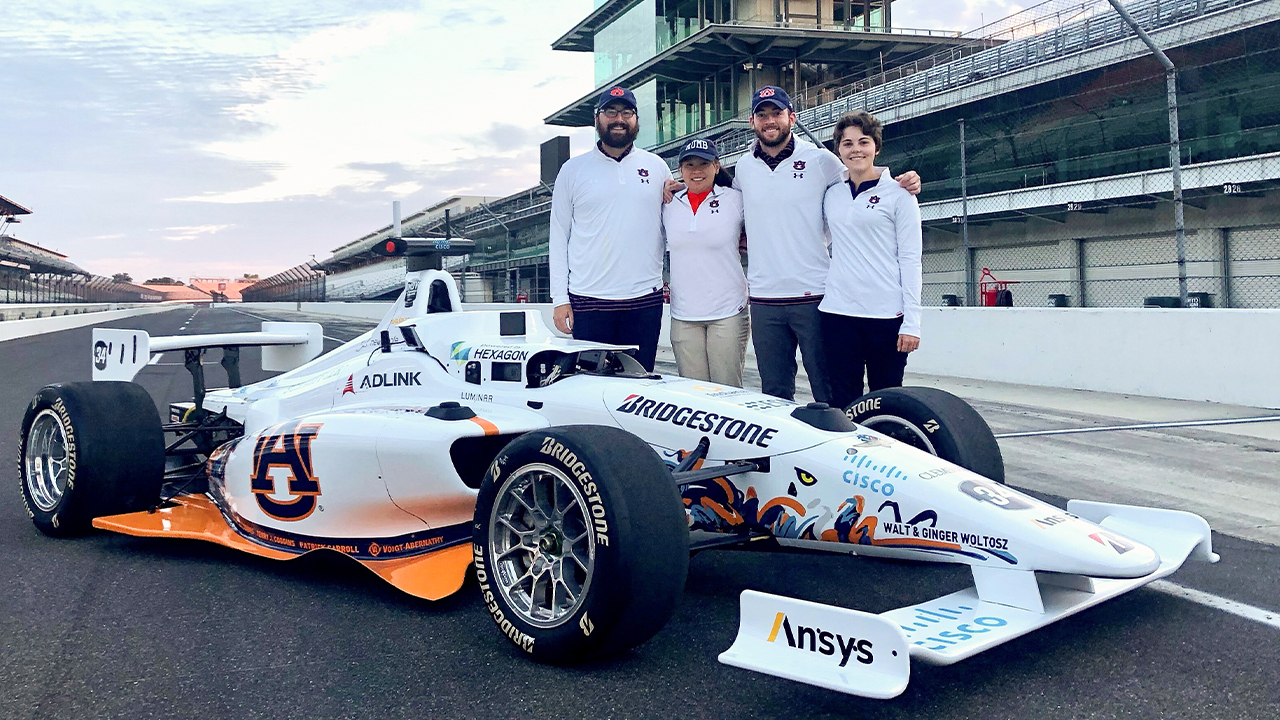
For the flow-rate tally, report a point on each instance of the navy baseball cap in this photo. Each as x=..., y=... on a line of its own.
x=704, y=149
x=617, y=93
x=771, y=94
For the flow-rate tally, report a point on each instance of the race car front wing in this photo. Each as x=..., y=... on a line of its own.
x=869, y=655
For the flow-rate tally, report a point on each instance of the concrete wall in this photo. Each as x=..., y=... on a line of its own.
x=375, y=311
x=1226, y=356
x=12, y=329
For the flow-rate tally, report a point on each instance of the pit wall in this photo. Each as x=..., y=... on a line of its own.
x=11, y=329
x=1225, y=356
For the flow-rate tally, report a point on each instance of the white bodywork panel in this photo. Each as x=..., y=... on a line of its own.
x=352, y=445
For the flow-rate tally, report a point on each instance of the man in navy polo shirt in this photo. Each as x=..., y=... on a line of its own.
x=606, y=235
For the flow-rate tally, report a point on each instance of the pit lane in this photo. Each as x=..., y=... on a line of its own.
x=112, y=626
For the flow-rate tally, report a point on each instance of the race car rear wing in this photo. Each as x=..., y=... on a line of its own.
x=120, y=354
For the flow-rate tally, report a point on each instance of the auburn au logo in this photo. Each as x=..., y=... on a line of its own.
x=286, y=447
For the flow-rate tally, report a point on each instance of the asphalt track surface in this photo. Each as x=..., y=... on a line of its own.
x=108, y=626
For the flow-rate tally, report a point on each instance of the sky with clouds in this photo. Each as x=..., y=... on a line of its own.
x=200, y=138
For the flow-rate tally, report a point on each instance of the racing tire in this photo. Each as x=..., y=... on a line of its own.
x=934, y=421
x=88, y=450
x=581, y=544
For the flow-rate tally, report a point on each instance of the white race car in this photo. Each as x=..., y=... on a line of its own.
x=576, y=484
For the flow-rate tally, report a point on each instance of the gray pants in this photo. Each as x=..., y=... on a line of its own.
x=713, y=350
x=776, y=330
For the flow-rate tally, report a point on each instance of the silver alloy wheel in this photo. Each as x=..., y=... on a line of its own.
x=45, y=463
x=900, y=430
x=543, y=548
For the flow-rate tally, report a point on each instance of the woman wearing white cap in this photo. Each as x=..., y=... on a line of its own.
x=703, y=225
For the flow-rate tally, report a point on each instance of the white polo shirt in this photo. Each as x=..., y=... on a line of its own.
x=875, y=253
x=606, y=226
x=786, y=241
x=707, y=282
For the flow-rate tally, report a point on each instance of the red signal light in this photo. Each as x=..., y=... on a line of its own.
x=391, y=246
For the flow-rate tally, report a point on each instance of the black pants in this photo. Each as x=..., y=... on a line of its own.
x=855, y=344
x=776, y=332
x=622, y=327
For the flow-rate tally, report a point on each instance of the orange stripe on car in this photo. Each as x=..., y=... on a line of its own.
x=489, y=428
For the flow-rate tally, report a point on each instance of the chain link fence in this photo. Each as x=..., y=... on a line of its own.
x=1064, y=194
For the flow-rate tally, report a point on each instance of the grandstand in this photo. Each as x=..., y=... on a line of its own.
x=33, y=274
x=222, y=289
x=1042, y=138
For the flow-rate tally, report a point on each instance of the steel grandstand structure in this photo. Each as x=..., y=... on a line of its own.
x=1042, y=139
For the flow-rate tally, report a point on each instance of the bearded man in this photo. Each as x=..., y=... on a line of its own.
x=606, y=235
x=783, y=180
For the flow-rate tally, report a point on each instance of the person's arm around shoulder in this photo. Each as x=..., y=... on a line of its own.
x=906, y=221
x=832, y=168
x=558, y=249
x=670, y=186
x=909, y=181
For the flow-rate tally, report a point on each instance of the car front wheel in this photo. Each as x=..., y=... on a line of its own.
x=580, y=541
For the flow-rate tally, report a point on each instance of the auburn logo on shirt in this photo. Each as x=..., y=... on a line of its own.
x=714, y=204
x=797, y=165
x=644, y=175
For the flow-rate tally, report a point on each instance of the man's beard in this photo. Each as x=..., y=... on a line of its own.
x=783, y=137
x=606, y=134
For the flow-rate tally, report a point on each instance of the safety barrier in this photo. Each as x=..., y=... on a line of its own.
x=1181, y=354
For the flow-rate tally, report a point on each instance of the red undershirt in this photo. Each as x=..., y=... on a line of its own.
x=695, y=199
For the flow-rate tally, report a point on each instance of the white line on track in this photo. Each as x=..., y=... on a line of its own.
x=1142, y=426
x=155, y=359
x=326, y=337
x=1248, y=612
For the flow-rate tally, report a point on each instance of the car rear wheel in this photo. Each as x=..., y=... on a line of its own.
x=934, y=421
x=581, y=543
x=89, y=450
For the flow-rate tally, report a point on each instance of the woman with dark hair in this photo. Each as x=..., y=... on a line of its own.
x=703, y=224
x=871, y=312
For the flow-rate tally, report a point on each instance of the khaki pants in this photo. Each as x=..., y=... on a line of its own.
x=712, y=350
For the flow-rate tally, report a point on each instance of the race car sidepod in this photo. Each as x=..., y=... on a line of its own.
x=868, y=655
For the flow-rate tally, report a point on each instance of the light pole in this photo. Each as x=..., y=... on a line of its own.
x=1175, y=148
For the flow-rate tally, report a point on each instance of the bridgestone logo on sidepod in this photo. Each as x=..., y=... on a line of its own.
x=709, y=422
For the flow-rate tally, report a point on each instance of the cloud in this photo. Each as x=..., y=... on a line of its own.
x=505, y=137
x=192, y=232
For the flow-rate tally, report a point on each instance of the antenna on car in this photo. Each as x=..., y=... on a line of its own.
x=423, y=253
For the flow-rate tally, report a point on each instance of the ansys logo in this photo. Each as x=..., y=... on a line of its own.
x=821, y=641
x=286, y=448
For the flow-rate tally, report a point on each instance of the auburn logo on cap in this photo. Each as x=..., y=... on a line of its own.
x=798, y=165
x=617, y=92
x=767, y=92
